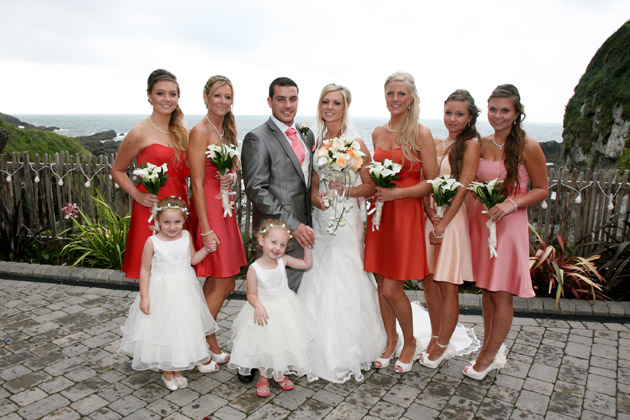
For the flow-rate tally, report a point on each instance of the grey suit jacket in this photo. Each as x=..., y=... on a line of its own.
x=274, y=181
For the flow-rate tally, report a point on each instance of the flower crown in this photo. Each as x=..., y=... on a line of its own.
x=282, y=226
x=172, y=206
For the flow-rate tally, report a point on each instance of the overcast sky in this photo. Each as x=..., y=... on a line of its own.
x=93, y=57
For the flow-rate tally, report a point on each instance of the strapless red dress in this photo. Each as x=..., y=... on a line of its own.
x=176, y=185
x=397, y=250
x=229, y=257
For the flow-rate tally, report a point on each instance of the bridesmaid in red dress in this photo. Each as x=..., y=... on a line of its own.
x=517, y=158
x=208, y=225
x=161, y=138
x=396, y=251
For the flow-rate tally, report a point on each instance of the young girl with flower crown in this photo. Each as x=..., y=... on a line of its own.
x=168, y=322
x=273, y=333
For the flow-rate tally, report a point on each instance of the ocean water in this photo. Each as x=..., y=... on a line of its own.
x=85, y=125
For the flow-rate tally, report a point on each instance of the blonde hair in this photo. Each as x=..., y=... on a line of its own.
x=229, y=122
x=347, y=99
x=269, y=224
x=407, y=133
x=176, y=122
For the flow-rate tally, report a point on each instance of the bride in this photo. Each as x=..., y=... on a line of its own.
x=338, y=293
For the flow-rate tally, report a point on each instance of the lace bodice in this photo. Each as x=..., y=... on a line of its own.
x=271, y=282
x=170, y=256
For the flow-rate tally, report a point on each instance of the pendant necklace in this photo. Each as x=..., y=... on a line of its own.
x=389, y=129
x=156, y=127
x=500, y=146
x=215, y=129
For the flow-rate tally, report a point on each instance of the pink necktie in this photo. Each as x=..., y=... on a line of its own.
x=296, y=145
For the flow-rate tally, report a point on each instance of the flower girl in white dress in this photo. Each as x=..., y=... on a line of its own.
x=274, y=332
x=168, y=322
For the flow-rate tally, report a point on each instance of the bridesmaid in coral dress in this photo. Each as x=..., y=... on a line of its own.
x=208, y=225
x=517, y=158
x=396, y=252
x=448, y=243
x=161, y=138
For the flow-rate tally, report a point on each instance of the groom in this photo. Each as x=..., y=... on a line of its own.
x=277, y=164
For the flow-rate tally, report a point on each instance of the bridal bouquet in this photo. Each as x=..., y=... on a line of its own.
x=490, y=194
x=444, y=189
x=336, y=157
x=383, y=173
x=222, y=157
x=153, y=177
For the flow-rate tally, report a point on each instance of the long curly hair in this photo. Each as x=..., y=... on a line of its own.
x=407, y=133
x=515, y=142
x=176, y=123
x=229, y=122
x=456, y=150
x=347, y=99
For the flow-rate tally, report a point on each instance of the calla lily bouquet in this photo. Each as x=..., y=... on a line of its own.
x=383, y=173
x=335, y=158
x=153, y=177
x=490, y=194
x=444, y=189
x=222, y=157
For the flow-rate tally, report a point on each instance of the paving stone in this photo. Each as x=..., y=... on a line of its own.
x=43, y=407
x=573, y=375
x=65, y=413
x=569, y=389
x=55, y=385
x=28, y=396
x=142, y=414
x=565, y=404
x=89, y=404
x=494, y=409
x=600, y=403
x=127, y=405
x=104, y=414
x=601, y=384
x=312, y=409
x=346, y=411
x=14, y=372
x=80, y=374
x=366, y=395
x=533, y=402
x=84, y=388
x=7, y=407
x=291, y=400
x=229, y=413
x=543, y=372
x=249, y=402
x=26, y=381
x=163, y=407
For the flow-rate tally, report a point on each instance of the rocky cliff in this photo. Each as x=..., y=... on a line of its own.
x=597, y=118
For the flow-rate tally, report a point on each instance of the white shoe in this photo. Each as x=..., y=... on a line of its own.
x=181, y=381
x=220, y=357
x=208, y=368
x=448, y=353
x=170, y=384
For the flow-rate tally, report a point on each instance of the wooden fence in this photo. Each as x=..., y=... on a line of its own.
x=46, y=184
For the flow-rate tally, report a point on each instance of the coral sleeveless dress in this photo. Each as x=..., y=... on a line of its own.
x=509, y=271
x=451, y=260
x=397, y=250
x=229, y=257
x=176, y=185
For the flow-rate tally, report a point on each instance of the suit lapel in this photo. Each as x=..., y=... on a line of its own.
x=284, y=143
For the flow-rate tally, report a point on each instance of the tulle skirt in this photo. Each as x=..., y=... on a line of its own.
x=281, y=347
x=173, y=335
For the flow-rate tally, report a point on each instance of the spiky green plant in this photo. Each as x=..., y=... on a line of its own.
x=100, y=242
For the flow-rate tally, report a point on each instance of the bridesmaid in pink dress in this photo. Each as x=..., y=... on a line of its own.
x=517, y=158
x=448, y=243
x=161, y=138
x=208, y=226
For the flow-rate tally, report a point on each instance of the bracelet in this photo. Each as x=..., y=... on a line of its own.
x=513, y=202
x=208, y=233
x=436, y=237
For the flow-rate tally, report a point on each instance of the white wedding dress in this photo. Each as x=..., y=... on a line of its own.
x=341, y=296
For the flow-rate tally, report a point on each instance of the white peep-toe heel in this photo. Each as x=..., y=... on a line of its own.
x=220, y=357
x=406, y=367
x=498, y=363
x=208, y=368
x=448, y=353
x=384, y=362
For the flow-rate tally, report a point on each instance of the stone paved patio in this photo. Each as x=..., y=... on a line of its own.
x=58, y=361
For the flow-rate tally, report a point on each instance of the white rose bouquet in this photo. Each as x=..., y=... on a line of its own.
x=335, y=158
x=153, y=178
x=222, y=157
x=383, y=173
x=490, y=194
x=444, y=189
